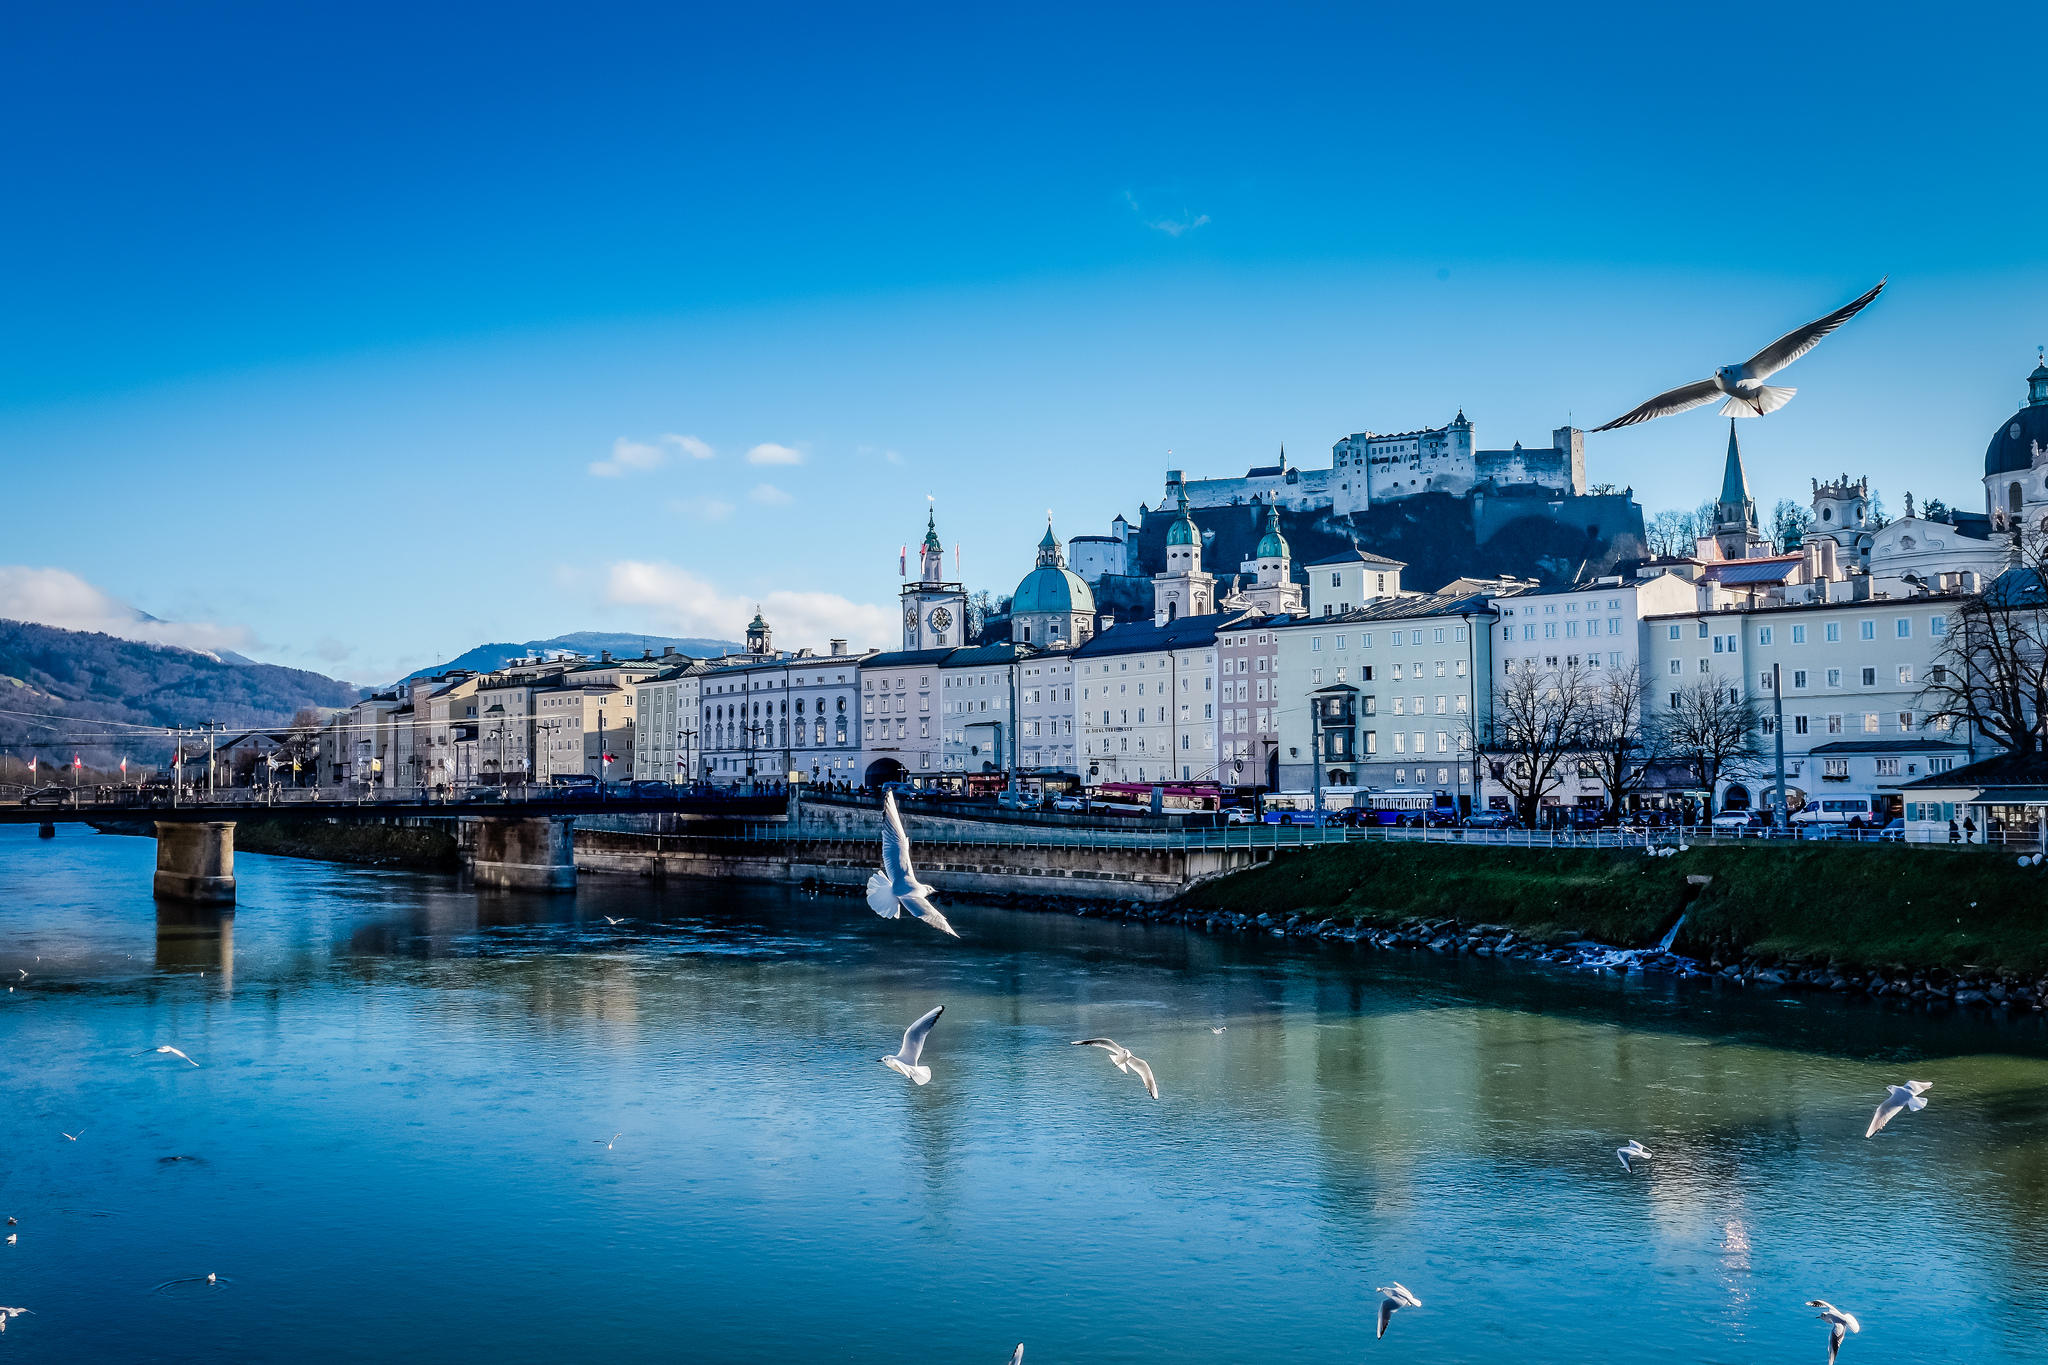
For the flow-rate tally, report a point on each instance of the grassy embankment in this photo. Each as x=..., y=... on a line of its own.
x=347, y=842
x=1861, y=906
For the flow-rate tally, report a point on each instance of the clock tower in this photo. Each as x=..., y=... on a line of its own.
x=934, y=611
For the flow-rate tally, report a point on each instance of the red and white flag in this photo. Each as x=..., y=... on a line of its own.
x=903, y=562
x=32, y=770
x=124, y=767
x=77, y=762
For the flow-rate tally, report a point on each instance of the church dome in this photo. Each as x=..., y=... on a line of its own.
x=1183, y=531
x=1272, y=545
x=1047, y=589
x=2012, y=448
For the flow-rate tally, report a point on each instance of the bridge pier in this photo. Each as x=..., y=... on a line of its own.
x=196, y=937
x=47, y=830
x=526, y=853
x=195, y=862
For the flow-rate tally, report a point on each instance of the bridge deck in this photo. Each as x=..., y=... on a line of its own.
x=308, y=806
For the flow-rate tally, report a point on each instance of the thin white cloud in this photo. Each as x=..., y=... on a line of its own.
x=1172, y=227
x=768, y=495
x=768, y=452
x=58, y=597
x=638, y=457
x=701, y=509
x=685, y=604
x=893, y=456
x=628, y=456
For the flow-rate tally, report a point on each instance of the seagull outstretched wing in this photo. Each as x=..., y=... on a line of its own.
x=1143, y=1069
x=1800, y=340
x=926, y=911
x=914, y=1036
x=1680, y=399
x=896, y=845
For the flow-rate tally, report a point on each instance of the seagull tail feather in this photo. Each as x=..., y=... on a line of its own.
x=1768, y=398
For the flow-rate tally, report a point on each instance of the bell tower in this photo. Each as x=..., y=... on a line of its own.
x=934, y=610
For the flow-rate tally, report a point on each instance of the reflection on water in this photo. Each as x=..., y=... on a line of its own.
x=407, y=1093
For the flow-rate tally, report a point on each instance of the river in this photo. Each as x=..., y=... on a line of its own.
x=398, y=1142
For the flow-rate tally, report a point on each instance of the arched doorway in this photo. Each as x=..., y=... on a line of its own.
x=1735, y=798
x=886, y=770
x=2013, y=499
x=1273, y=770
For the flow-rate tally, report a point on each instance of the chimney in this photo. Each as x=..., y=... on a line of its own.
x=604, y=656
x=668, y=651
x=839, y=646
x=646, y=653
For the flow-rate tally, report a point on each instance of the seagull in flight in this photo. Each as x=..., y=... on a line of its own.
x=1898, y=1098
x=896, y=886
x=1124, y=1060
x=1840, y=1324
x=73, y=1137
x=1017, y=1356
x=905, y=1060
x=615, y=923
x=1633, y=1150
x=6, y=1313
x=608, y=1141
x=165, y=1048
x=1743, y=384
x=1395, y=1297
x=1220, y=1029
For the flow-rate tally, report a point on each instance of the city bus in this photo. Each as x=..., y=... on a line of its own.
x=1135, y=798
x=1410, y=806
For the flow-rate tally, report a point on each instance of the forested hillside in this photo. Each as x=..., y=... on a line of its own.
x=66, y=691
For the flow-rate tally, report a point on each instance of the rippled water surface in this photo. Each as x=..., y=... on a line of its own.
x=395, y=1146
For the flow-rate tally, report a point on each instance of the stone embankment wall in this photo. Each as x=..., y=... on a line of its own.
x=1056, y=871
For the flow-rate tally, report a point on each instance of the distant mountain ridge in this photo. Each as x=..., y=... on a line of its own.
x=56, y=684
x=485, y=658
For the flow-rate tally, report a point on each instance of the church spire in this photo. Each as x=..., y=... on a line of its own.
x=1734, y=487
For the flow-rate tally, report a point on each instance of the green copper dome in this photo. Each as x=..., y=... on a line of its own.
x=931, y=533
x=1052, y=587
x=1272, y=545
x=1183, y=531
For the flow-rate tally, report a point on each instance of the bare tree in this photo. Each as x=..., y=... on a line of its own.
x=1616, y=740
x=1992, y=673
x=1535, y=725
x=1670, y=533
x=1713, y=729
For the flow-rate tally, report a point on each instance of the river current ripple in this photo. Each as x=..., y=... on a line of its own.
x=395, y=1144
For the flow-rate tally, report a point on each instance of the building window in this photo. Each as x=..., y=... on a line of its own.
x=1833, y=630
x=1763, y=635
x=1870, y=677
x=1799, y=635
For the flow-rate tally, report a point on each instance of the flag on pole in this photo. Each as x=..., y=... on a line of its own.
x=956, y=557
x=124, y=767
x=903, y=562
x=77, y=762
x=32, y=770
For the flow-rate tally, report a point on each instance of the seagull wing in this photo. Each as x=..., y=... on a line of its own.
x=925, y=911
x=914, y=1036
x=896, y=845
x=1886, y=1112
x=1664, y=404
x=1387, y=1307
x=1144, y=1070
x=1835, y=1341
x=1017, y=1356
x=1117, y=1052
x=1800, y=340
x=175, y=1053
x=1919, y=1087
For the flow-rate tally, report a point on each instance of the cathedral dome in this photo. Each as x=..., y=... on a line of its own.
x=1272, y=545
x=1056, y=591
x=2012, y=448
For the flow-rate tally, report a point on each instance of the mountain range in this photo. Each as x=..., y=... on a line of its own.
x=105, y=698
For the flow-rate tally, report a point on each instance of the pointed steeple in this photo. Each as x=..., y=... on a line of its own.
x=1183, y=531
x=1049, y=549
x=1734, y=487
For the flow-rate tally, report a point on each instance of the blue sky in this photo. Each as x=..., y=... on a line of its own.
x=319, y=320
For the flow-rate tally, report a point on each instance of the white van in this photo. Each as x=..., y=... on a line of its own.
x=1839, y=808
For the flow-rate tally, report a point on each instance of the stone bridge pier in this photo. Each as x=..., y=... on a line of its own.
x=525, y=853
x=195, y=862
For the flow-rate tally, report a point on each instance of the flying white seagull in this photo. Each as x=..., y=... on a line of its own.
x=1124, y=1060
x=1840, y=1324
x=896, y=885
x=6, y=1313
x=1634, y=1150
x=165, y=1048
x=1395, y=1297
x=905, y=1060
x=1898, y=1098
x=1748, y=395
x=1017, y=1356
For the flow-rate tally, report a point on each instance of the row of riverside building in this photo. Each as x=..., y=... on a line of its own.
x=1276, y=677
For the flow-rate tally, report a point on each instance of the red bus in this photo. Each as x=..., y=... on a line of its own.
x=1136, y=797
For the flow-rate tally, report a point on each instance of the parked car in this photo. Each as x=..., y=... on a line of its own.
x=1070, y=802
x=1733, y=821
x=1492, y=819
x=1823, y=830
x=1893, y=833
x=482, y=794
x=48, y=796
x=652, y=789
x=1239, y=815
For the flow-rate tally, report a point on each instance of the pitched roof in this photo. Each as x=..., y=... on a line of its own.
x=1402, y=609
x=1140, y=637
x=2001, y=771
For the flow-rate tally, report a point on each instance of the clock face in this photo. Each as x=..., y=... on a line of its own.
x=940, y=619
x=910, y=618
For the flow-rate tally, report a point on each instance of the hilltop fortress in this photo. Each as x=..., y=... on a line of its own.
x=1430, y=498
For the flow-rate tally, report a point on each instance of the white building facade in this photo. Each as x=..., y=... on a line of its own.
x=1145, y=702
